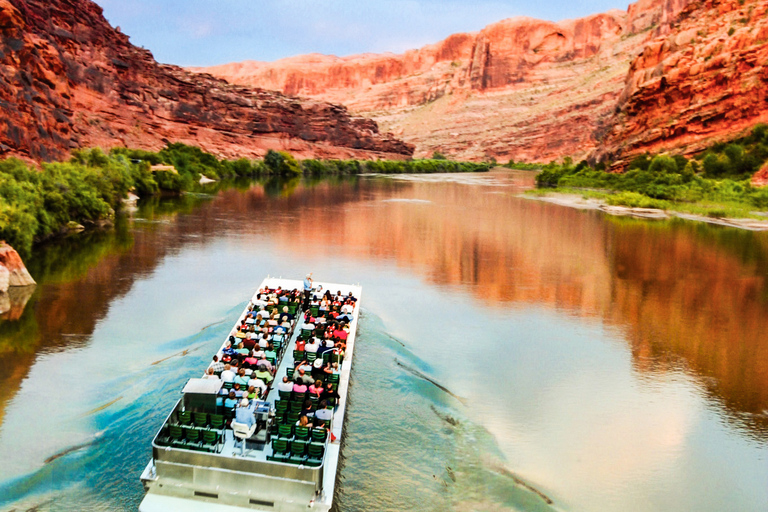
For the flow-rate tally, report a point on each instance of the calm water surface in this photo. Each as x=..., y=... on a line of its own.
x=609, y=364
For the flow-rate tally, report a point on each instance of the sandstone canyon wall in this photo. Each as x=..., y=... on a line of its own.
x=522, y=88
x=704, y=80
x=68, y=79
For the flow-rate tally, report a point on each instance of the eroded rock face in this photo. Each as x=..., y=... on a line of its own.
x=17, y=272
x=68, y=80
x=702, y=81
x=521, y=88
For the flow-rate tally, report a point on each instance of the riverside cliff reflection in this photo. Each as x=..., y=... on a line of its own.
x=683, y=306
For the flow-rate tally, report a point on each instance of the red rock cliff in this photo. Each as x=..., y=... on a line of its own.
x=68, y=79
x=703, y=80
x=521, y=88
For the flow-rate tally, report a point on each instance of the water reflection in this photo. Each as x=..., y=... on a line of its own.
x=621, y=334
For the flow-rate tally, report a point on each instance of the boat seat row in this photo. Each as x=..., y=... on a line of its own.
x=297, y=452
x=191, y=438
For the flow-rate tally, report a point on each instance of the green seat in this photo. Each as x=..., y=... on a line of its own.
x=289, y=373
x=176, y=434
x=315, y=453
x=229, y=385
x=311, y=356
x=192, y=436
x=185, y=417
x=285, y=431
x=298, y=355
x=306, y=333
x=295, y=407
x=298, y=397
x=292, y=308
x=301, y=433
x=285, y=395
x=319, y=434
x=334, y=378
x=298, y=451
x=211, y=440
x=292, y=417
x=314, y=310
x=280, y=445
x=201, y=419
x=281, y=406
x=280, y=451
x=217, y=421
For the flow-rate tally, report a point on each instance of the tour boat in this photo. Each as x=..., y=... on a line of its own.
x=198, y=464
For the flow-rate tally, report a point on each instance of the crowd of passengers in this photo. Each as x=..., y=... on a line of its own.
x=250, y=357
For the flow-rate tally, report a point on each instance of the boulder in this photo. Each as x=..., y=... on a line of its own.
x=17, y=272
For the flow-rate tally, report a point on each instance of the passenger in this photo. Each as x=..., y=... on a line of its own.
x=256, y=382
x=228, y=375
x=238, y=390
x=251, y=394
x=307, y=288
x=228, y=350
x=300, y=375
x=304, y=367
x=301, y=345
x=299, y=386
x=328, y=392
x=217, y=365
x=316, y=388
x=244, y=413
x=209, y=374
x=324, y=412
x=317, y=368
x=270, y=352
x=285, y=385
x=313, y=345
x=286, y=314
x=241, y=378
x=263, y=374
x=263, y=361
x=306, y=409
x=251, y=360
x=231, y=401
x=304, y=422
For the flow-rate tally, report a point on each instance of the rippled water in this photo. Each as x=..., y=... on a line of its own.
x=510, y=352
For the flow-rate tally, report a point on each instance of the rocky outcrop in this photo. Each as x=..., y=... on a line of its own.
x=16, y=285
x=68, y=79
x=13, y=268
x=522, y=88
x=760, y=179
x=703, y=80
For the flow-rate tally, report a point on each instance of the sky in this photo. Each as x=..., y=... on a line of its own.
x=209, y=32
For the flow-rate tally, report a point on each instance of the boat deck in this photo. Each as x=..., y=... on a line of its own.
x=260, y=458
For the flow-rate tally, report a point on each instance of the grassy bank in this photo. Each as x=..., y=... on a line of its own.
x=715, y=183
x=36, y=204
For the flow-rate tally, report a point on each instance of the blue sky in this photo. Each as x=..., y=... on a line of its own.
x=207, y=32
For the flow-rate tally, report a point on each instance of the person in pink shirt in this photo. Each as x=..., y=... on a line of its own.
x=316, y=388
x=299, y=387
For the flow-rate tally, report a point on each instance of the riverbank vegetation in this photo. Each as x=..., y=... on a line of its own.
x=36, y=204
x=714, y=183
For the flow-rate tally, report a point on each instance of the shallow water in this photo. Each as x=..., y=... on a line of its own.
x=509, y=350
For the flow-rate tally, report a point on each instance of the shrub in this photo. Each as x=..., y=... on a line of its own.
x=663, y=164
x=635, y=200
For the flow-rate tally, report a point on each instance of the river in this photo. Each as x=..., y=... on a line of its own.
x=505, y=345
